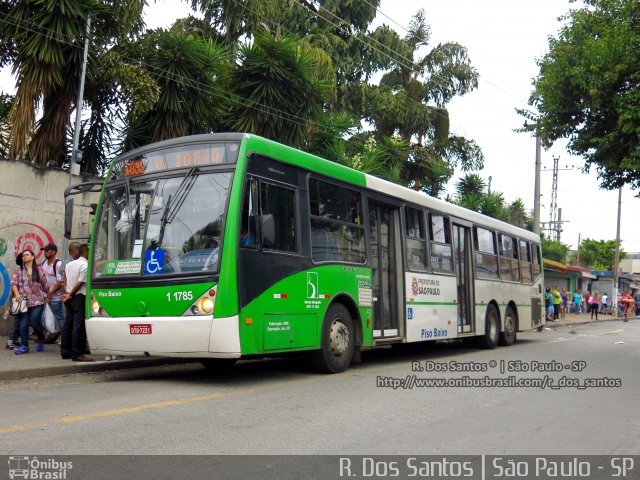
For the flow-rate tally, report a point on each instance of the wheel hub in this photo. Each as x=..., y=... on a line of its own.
x=339, y=338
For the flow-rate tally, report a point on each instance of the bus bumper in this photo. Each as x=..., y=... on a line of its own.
x=196, y=337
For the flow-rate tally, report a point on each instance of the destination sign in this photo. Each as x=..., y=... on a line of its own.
x=177, y=157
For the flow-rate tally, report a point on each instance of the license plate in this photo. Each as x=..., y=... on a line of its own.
x=140, y=329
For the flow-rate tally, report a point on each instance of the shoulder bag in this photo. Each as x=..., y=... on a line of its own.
x=18, y=307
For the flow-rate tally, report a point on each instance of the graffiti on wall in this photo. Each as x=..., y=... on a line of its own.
x=16, y=238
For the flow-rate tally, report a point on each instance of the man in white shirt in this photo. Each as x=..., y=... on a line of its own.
x=53, y=273
x=74, y=334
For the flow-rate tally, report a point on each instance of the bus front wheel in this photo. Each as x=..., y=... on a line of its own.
x=337, y=341
x=491, y=328
x=508, y=336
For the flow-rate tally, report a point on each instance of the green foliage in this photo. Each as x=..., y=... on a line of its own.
x=6, y=102
x=280, y=88
x=400, y=104
x=596, y=254
x=470, y=193
x=554, y=250
x=588, y=91
x=188, y=70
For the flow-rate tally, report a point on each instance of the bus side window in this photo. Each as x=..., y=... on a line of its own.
x=525, y=262
x=416, y=239
x=486, y=255
x=440, y=237
x=509, y=269
x=337, y=230
x=535, y=251
x=277, y=218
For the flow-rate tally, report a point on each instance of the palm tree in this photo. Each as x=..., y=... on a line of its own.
x=411, y=98
x=280, y=88
x=190, y=71
x=46, y=38
x=469, y=184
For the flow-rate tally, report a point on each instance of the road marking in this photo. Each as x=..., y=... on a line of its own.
x=138, y=408
x=612, y=331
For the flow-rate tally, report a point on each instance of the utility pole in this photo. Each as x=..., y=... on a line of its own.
x=536, y=193
x=578, y=251
x=489, y=186
x=616, y=258
x=553, y=211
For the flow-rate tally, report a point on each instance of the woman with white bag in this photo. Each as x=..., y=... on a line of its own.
x=28, y=282
x=13, y=340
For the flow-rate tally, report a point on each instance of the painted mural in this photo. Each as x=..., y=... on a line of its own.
x=14, y=239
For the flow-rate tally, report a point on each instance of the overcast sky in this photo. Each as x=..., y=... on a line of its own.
x=504, y=38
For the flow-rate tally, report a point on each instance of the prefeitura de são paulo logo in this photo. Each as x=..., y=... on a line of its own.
x=34, y=468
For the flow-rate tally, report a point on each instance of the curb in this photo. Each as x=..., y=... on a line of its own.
x=98, y=366
x=554, y=325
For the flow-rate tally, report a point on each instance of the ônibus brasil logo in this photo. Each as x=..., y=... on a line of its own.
x=34, y=468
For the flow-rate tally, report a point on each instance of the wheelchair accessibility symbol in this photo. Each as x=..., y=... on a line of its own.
x=154, y=261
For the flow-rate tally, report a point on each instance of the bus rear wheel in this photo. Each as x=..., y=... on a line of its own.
x=337, y=342
x=491, y=328
x=508, y=335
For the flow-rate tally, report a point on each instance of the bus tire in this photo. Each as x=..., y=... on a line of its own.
x=510, y=327
x=491, y=328
x=218, y=364
x=337, y=341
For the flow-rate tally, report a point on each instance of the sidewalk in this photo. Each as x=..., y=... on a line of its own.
x=48, y=363
x=575, y=319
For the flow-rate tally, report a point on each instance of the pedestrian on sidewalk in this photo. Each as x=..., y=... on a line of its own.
x=628, y=303
x=74, y=334
x=577, y=301
x=595, y=303
x=548, y=304
x=51, y=266
x=28, y=281
x=13, y=340
x=564, y=306
x=604, y=304
x=556, y=302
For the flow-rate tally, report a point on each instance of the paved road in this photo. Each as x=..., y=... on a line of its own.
x=281, y=407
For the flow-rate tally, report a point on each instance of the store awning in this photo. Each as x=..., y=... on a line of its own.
x=555, y=266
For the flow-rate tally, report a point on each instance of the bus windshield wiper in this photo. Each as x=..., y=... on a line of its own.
x=175, y=201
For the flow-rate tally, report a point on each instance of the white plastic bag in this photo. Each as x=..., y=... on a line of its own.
x=48, y=319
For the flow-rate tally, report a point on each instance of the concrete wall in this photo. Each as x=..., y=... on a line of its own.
x=32, y=215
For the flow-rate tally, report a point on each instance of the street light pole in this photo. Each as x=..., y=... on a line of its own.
x=74, y=166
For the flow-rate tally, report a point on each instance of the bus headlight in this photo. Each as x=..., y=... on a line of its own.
x=96, y=308
x=203, y=305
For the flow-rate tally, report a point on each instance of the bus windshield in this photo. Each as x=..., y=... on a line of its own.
x=161, y=226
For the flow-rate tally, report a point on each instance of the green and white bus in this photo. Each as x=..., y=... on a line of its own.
x=227, y=246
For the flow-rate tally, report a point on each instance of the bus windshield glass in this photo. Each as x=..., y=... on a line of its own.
x=162, y=226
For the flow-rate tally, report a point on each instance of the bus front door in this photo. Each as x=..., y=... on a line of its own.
x=464, y=277
x=383, y=225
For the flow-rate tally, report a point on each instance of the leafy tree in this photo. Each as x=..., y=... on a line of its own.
x=410, y=101
x=43, y=41
x=5, y=107
x=596, y=254
x=554, y=250
x=469, y=184
x=280, y=88
x=190, y=71
x=588, y=91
